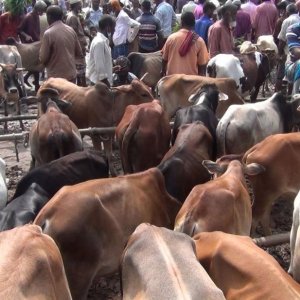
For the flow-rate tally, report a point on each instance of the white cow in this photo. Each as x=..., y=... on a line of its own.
x=243, y=126
x=226, y=66
x=294, y=269
x=3, y=187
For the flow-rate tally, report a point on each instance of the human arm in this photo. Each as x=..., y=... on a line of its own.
x=45, y=50
x=22, y=30
x=202, y=57
x=78, y=49
x=163, y=68
x=213, y=41
x=165, y=58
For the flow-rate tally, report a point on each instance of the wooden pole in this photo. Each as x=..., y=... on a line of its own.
x=272, y=240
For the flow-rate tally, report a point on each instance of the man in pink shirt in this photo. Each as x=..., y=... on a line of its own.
x=250, y=8
x=220, y=38
x=265, y=19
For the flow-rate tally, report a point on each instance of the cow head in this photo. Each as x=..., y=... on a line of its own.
x=218, y=168
x=208, y=94
x=49, y=94
x=9, y=81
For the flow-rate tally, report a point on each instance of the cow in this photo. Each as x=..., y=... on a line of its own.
x=242, y=126
x=278, y=154
x=204, y=110
x=175, y=90
x=102, y=214
x=295, y=241
x=39, y=185
x=222, y=204
x=3, y=186
x=30, y=59
x=144, y=136
x=94, y=106
x=241, y=269
x=31, y=266
x=146, y=63
x=68, y=170
x=12, y=86
x=249, y=71
x=170, y=270
x=53, y=136
x=182, y=165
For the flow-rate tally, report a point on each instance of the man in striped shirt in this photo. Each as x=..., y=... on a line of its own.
x=150, y=32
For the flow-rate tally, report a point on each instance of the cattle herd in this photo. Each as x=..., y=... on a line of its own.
x=179, y=223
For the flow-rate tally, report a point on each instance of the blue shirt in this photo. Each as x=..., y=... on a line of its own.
x=293, y=38
x=201, y=27
x=149, y=28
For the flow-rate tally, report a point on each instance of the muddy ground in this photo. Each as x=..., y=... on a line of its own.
x=109, y=288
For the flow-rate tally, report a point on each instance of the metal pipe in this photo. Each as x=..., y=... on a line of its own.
x=17, y=118
x=272, y=240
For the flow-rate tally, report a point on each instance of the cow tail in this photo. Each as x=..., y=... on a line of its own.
x=221, y=138
x=129, y=133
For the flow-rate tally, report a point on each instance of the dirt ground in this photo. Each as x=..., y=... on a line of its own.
x=109, y=288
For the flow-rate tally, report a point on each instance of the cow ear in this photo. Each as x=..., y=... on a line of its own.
x=192, y=98
x=212, y=167
x=223, y=96
x=254, y=169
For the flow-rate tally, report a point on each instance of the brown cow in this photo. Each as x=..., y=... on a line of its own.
x=278, y=154
x=159, y=263
x=221, y=204
x=182, y=165
x=31, y=266
x=102, y=214
x=241, y=269
x=144, y=135
x=54, y=135
x=94, y=106
x=175, y=91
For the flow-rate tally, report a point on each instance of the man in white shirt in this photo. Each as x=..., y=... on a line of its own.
x=123, y=25
x=100, y=61
x=165, y=13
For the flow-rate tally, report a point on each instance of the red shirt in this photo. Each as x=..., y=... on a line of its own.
x=9, y=26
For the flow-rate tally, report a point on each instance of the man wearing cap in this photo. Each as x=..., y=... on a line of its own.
x=29, y=29
x=59, y=47
x=121, y=73
x=150, y=33
x=220, y=37
x=94, y=14
x=184, y=51
x=123, y=24
x=74, y=22
x=265, y=19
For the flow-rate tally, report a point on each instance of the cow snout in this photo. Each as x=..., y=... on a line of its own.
x=13, y=90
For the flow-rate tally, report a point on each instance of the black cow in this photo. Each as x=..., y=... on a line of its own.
x=206, y=102
x=68, y=170
x=36, y=188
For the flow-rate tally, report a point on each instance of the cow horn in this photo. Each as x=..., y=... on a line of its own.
x=20, y=69
x=144, y=76
x=29, y=100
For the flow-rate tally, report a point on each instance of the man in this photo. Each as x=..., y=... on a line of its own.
x=150, y=33
x=60, y=47
x=121, y=73
x=190, y=6
x=166, y=15
x=29, y=29
x=135, y=10
x=220, y=38
x=74, y=22
x=100, y=60
x=250, y=8
x=292, y=18
x=198, y=12
x=293, y=63
x=265, y=19
x=203, y=24
x=184, y=51
x=123, y=25
x=93, y=14
x=243, y=26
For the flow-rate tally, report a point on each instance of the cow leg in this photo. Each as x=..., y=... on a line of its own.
x=254, y=94
x=18, y=109
x=265, y=221
x=26, y=77
x=5, y=114
x=36, y=80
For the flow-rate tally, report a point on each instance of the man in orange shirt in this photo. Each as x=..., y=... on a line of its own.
x=184, y=51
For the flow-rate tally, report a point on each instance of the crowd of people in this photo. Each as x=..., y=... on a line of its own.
x=91, y=41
